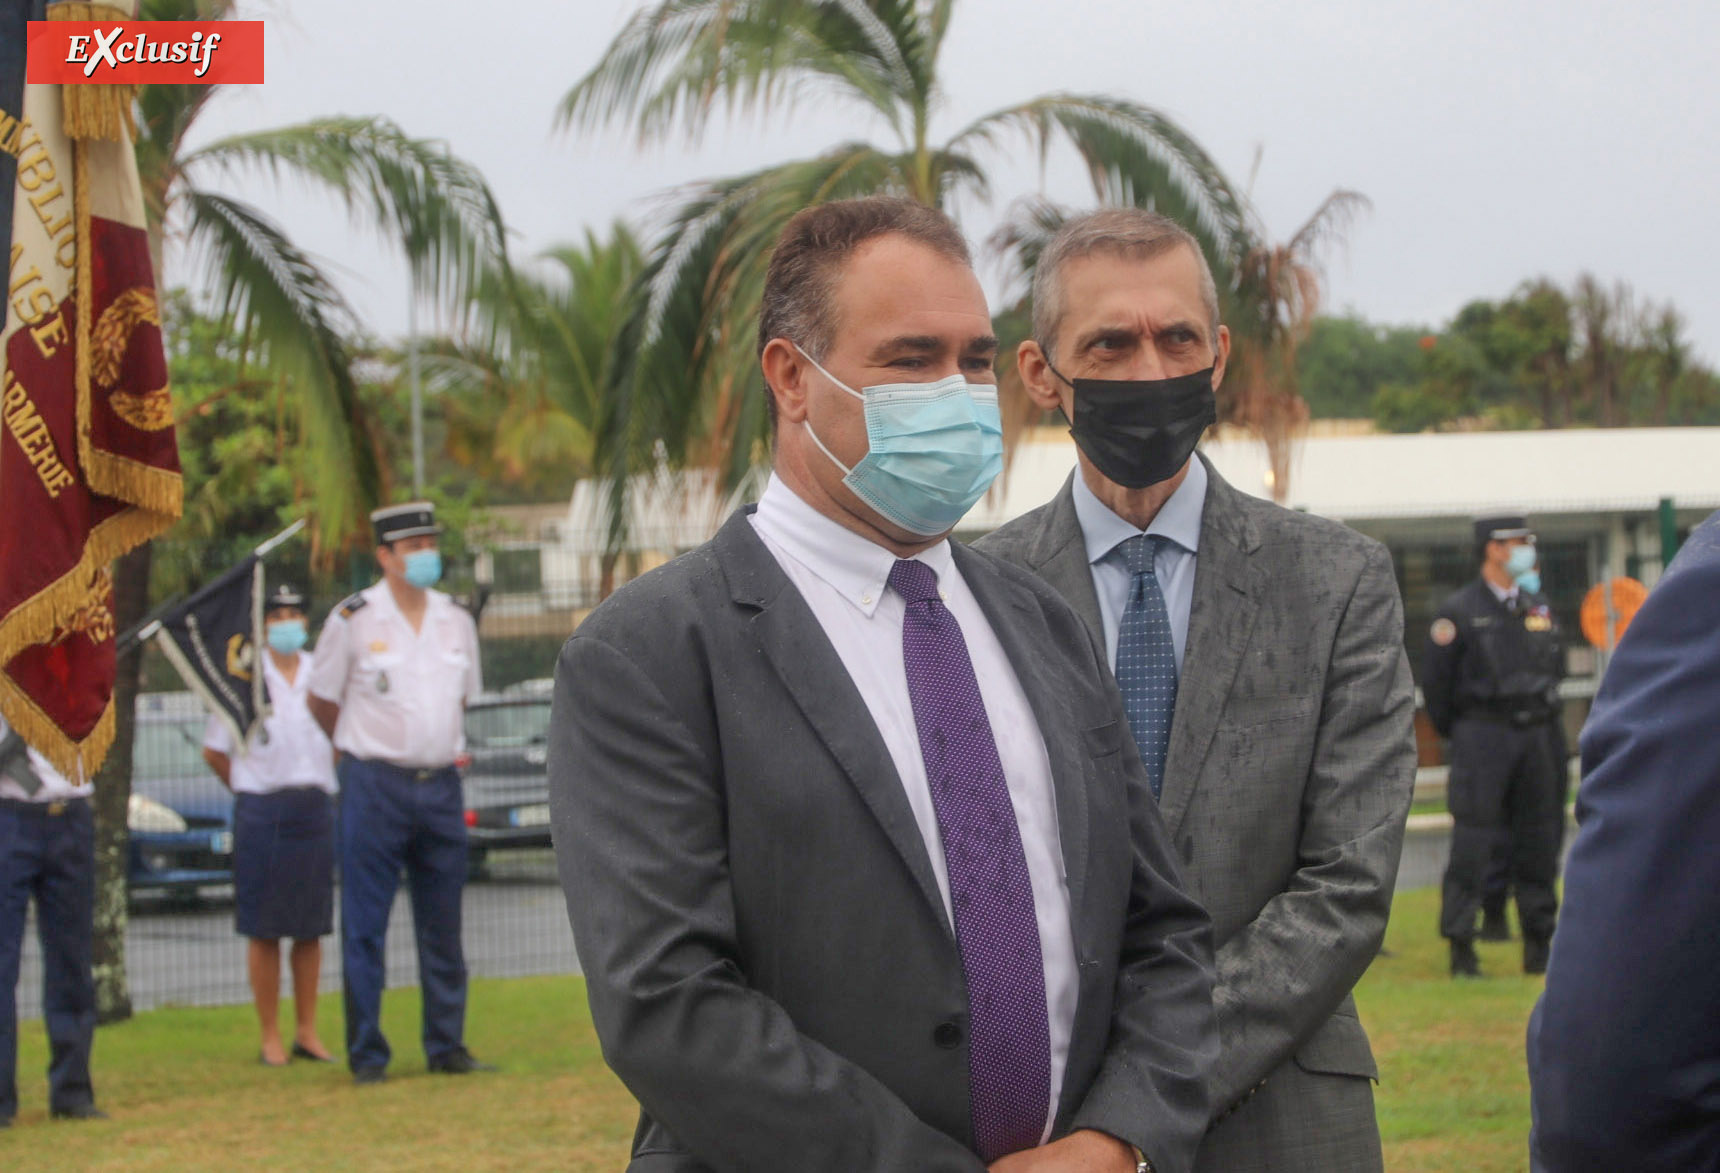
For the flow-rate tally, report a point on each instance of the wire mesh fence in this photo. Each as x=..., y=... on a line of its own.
x=181, y=944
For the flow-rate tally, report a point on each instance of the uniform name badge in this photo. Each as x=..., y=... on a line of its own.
x=1535, y=621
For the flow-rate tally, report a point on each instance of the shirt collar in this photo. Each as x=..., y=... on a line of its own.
x=855, y=567
x=1178, y=518
x=1503, y=594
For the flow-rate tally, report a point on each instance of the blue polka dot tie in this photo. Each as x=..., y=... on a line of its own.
x=1147, y=659
x=1009, y=1046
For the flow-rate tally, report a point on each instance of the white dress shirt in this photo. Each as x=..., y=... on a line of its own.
x=1173, y=564
x=842, y=577
x=56, y=787
x=1506, y=595
x=289, y=750
x=401, y=692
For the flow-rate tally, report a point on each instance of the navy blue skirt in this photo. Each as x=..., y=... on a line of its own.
x=283, y=864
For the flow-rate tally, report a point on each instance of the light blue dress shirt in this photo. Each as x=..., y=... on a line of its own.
x=1103, y=531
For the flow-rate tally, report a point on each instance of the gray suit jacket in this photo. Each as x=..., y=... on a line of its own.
x=770, y=969
x=1288, y=781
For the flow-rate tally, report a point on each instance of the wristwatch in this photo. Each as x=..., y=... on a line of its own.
x=1142, y=1165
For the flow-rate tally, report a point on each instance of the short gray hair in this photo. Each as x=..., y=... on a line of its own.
x=1134, y=233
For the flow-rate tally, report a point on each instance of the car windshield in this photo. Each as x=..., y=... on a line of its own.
x=507, y=726
x=169, y=749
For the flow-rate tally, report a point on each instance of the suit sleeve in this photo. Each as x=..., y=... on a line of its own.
x=638, y=820
x=1282, y=976
x=1624, y=1045
x=1151, y=1089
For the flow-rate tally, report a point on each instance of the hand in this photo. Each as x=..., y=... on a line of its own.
x=1086, y=1151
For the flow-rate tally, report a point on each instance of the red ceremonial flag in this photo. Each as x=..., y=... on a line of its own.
x=89, y=467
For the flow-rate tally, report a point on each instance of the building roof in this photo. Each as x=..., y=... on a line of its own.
x=1363, y=477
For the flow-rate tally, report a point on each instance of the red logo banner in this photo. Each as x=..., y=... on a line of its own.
x=145, y=52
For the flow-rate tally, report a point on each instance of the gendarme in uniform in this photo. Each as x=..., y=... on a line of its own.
x=47, y=848
x=401, y=693
x=1490, y=676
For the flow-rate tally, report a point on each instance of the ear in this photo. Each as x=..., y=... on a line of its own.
x=1043, y=387
x=785, y=376
x=1221, y=359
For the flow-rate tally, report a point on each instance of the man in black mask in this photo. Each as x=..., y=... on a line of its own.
x=1260, y=655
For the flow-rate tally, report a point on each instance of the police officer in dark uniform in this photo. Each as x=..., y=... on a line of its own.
x=1490, y=677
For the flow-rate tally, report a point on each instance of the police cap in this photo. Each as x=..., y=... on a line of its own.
x=285, y=594
x=411, y=520
x=1501, y=528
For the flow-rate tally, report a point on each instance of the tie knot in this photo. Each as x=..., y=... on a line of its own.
x=914, y=581
x=1138, y=552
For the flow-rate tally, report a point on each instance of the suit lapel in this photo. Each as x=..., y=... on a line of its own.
x=1227, y=591
x=801, y=654
x=1020, y=627
x=1059, y=556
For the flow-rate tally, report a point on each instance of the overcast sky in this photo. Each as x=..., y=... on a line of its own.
x=1497, y=140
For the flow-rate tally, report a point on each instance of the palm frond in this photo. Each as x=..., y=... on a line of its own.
x=1329, y=224
x=677, y=63
x=436, y=207
x=279, y=297
x=1135, y=156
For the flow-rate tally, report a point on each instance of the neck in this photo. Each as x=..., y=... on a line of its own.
x=406, y=596
x=1138, y=507
x=1498, y=576
x=285, y=661
x=792, y=471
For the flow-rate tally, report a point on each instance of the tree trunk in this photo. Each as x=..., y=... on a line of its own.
x=113, y=796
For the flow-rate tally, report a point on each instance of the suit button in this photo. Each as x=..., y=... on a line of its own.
x=947, y=1035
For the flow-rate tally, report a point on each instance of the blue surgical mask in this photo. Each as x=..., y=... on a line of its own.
x=424, y=568
x=933, y=449
x=1529, y=582
x=287, y=636
x=1520, y=561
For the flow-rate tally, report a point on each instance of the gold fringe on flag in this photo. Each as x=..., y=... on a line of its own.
x=94, y=111
x=76, y=760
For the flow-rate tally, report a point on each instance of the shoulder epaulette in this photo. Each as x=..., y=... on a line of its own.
x=355, y=604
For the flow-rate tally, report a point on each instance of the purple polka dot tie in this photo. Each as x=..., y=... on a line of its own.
x=1009, y=1047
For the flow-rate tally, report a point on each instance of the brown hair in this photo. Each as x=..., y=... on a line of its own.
x=798, y=301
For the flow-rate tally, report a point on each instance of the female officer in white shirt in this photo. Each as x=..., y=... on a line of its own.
x=283, y=833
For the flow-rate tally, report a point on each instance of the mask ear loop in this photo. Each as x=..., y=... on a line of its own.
x=1065, y=378
x=807, y=423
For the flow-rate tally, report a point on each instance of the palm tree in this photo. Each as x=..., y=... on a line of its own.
x=684, y=384
x=440, y=212
x=1272, y=304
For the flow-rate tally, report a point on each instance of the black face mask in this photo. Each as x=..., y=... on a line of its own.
x=1139, y=432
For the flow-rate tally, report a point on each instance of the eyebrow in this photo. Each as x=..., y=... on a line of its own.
x=1100, y=333
x=930, y=344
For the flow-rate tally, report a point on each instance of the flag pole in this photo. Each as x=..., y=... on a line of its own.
x=151, y=623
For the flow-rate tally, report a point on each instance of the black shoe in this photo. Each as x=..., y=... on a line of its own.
x=459, y=1061
x=5, y=1121
x=364, y=1075
x=78, y=1112
x=1464, y=963
x=300, y=1051
x=1536, y=951
x=1494, y=926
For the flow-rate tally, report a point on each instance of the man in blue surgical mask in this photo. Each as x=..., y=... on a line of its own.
x=1490, y=675
x=1260, y=655
x=394, y=668
x=863, y=869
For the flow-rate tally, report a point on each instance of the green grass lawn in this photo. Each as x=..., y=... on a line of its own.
x=186, y=1092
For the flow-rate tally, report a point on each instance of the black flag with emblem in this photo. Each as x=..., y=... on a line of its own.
x=214, y=639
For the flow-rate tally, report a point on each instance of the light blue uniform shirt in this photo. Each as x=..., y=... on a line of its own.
x=1103, y=531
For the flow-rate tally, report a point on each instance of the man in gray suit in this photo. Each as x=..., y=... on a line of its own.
x=862, y=866
x=1260, y=655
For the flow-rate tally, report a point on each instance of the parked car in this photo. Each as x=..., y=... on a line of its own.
x=180, y=817
x=505, y=773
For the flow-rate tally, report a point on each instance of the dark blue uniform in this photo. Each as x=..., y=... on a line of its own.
x=1624, y=1048
x=1490, y=679
x=47, y=854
